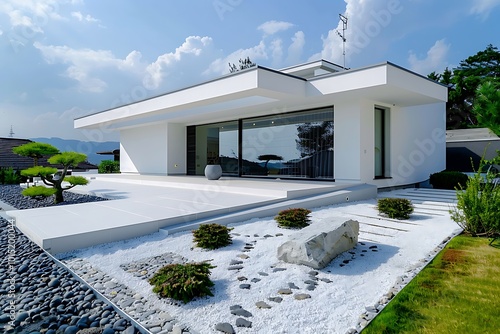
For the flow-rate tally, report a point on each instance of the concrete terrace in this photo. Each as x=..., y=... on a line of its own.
x=144, y=204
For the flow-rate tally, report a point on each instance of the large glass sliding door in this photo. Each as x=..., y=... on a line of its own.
x=216, y=144
x=294, y=145
x=297, y=145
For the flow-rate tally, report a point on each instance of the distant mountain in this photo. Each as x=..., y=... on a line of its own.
x=86, y=147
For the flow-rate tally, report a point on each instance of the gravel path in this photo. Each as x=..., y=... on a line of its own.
x=37, y=295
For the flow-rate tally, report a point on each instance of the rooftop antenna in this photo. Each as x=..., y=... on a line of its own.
x=11, y=133
x=342, y=35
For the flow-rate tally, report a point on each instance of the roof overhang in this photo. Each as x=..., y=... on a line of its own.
x=261, y=91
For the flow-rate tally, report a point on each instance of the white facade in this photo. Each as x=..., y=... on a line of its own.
x=153, y=132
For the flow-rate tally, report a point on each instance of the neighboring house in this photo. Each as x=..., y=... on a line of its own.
x=465, y=147
x=17, y=162
x=380, y=124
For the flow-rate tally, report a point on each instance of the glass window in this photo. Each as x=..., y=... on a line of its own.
x=289, y=145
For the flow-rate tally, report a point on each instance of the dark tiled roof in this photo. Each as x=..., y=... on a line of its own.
x=10, y=159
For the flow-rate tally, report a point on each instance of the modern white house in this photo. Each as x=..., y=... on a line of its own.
x=380, y=124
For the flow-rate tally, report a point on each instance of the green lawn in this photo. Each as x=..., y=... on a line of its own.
x=458, y=292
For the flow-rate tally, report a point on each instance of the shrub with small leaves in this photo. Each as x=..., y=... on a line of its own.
x=212, y=236
x=183, y=281
x=293, y=218
x=448, y=180
x=397, y=208
x=39, y=192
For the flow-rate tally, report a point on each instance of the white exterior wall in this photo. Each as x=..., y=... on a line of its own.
x=143, y=149
x=418, y=144
x=347, y=139
x=176, y=149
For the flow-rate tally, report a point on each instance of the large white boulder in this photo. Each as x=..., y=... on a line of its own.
x=319, y=243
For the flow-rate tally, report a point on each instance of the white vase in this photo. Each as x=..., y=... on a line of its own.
x=213, y=172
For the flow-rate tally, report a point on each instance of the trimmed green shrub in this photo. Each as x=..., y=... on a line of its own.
x=9, y=176
x=212, y=236
x=183, y=281
x=39, y=192
x=293, y=218
x=108, y=166
x=448, y=180
x=396, y=208
x=478, y=206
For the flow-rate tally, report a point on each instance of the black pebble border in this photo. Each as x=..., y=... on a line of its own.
x=37, y=295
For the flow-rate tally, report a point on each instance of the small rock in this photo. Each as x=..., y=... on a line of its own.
x=302, y=296
x=279, y=234
x=261, y=273
x=245, y=286
x=293, y=286
x=242, y=278
x=268, y=236
x=243, y=256
x=313, y=273
x=278, y=269
x=240, y=322
x=54, y=282
x=240, y=312
x=255, y=280
x=285, y=291
x=235, y=268
x=262, y=305
x=276, y=299
x=235, y=262
x=326, y=280
x=225, y=327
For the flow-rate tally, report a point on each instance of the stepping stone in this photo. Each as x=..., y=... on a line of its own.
x=276, y=299
x=240, y=322
x=262, y=305
x=268, y=236
x=293, y=286
x=261, y=273
x=341, y=265
x=362, y=243
x=372, y=247
x=243, y=256
x=241, y=313
x=235, y=262
x=248, y=247
x=236, y=234
x=311, y=282
x=302, y=296
x=313, y=273
x=310, y=287
x=224, y=327
x=235, y=268
x=247, y=235
x=364, y=251
x=361, y=254
x=278, y=269
x=256, y=235
x=255, y=280
x=284, y=291
x=279, y=234
x=242, y=278
x=351, y=252
x=245, y=286
x=346, y=261
x=374, y=250
x=235, y=307
x=326, y=280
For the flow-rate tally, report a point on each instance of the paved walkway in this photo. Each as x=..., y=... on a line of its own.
x=145, y=204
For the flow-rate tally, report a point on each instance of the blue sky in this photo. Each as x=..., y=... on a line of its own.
x=65, y=59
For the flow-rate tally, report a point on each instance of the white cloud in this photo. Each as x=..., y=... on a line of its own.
x=220, y=65
x=159, y=69
x=276, y=48
x=366, y=21
x=31, y=14
x=84, y=65
x=435, y=59
x=483, y=7
x=272, y=27
x=80, y=17
x=295, y=49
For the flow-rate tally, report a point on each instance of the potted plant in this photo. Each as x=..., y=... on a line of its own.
x=213, y=170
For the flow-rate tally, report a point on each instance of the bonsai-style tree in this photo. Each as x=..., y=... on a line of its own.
x=244, y=64
x=269, y=157
x=35, y=150
x=58, y=182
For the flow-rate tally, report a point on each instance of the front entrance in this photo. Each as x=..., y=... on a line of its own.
x=292, y=145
